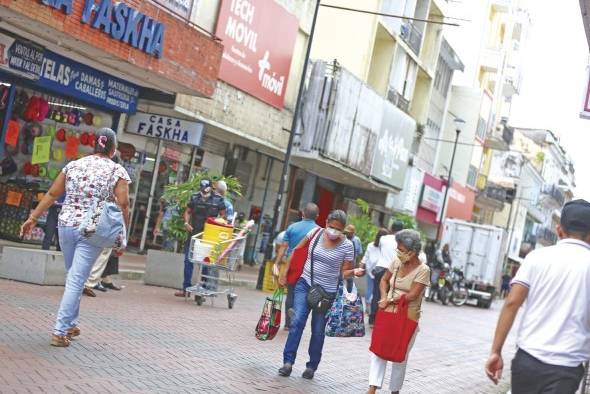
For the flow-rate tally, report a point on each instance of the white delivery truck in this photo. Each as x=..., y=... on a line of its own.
x=477, y=250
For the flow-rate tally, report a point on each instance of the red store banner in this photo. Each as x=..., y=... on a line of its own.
x=258, y=38
x=460, y=202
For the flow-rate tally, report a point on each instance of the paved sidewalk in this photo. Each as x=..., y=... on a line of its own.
x=144, y=340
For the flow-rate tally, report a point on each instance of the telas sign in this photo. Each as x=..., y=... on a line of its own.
x=120, y=21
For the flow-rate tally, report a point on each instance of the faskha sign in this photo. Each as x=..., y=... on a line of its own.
x=166, y=128
x=258, y=38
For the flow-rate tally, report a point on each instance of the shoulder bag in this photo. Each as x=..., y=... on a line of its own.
x=298, y=259
x=102, y=226
x=318, y=299
x=393, y=331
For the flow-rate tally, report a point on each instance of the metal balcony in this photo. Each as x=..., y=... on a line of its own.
x=552, y=197
x=411, y=36
x=546, y=236
x=492, y=197
x=398, y=100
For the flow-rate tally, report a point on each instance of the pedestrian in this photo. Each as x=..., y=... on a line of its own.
x=165, y=215
x=221, y=190
x=87, y=182
x=369, y=262
x=388, y=246
x=407, y=275
x=506, y=278
x=203, y=205
x=350, y=232
x=112, y=268
x=293, y=236
x=93, y=282
x=51, y=232
x=553, y=338
x=331, y=255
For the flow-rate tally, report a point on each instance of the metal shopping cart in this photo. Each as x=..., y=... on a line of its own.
x=210, y=258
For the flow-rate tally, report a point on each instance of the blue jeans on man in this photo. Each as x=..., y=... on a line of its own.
x=318, y=328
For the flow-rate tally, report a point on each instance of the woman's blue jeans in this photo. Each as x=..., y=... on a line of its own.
x=318, y=328
x=79, y=257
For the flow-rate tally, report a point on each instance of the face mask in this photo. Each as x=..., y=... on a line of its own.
x=333, y=234
x=404, y=257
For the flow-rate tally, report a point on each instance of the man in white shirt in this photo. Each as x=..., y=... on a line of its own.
x=554, y=334
x=388, y=246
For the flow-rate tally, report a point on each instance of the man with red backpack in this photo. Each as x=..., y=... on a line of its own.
x=293, y=235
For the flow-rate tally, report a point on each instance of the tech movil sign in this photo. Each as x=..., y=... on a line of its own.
x=258, y=38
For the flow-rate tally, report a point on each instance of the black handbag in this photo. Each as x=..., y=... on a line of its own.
x=318, y=299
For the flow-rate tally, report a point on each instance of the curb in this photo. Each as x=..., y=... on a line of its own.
x=139, y=275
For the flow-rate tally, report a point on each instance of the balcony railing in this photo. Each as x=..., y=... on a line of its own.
x=412, y=37
x=398, y=100
x=546, y=236
x=553, y=195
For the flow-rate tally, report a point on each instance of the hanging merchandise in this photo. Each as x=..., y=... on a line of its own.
x=20, y=104
x=4, y=92
x=7, y=166
x=41, y=150
x=88, y=118
x=30, y=131
x=52, y=173
x=60, y=135
x=72, y=143
x=84, y=138
x=12, y=133
x=57, y=154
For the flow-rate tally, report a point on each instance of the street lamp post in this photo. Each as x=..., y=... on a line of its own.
x=459, y=123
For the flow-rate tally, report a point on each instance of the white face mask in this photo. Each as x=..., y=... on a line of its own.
x=333, y=234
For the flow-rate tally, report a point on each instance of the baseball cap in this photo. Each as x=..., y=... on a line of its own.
x=575, y=216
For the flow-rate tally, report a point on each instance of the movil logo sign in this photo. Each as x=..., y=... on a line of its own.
x=270, y=81
x=393, y=152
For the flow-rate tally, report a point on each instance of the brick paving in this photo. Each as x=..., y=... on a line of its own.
x=144, y=340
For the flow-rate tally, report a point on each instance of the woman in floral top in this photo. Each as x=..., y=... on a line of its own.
x=88, y=183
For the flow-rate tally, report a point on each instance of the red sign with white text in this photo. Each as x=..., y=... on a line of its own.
x=258, y=37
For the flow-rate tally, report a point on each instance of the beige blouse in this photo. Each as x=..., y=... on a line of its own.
x=421, y=274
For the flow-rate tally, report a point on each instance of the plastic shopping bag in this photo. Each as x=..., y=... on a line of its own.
x=270, y=319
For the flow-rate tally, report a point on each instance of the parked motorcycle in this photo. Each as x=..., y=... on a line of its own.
x=450, y=286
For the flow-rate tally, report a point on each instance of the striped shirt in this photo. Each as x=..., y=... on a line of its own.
x=327, y=262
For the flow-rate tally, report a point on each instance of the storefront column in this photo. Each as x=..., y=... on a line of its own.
x=151, y=196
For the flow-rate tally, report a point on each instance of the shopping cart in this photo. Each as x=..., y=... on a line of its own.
x=214, y=257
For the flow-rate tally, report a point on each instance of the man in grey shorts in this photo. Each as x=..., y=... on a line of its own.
x=554, y=334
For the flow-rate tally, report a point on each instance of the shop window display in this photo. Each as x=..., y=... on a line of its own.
x=44, y=132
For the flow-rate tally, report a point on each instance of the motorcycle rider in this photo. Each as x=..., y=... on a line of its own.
x=443, y=258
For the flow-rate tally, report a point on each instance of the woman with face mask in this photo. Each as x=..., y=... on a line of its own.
x=332, y=255
x=408, y=276
x=87, y=183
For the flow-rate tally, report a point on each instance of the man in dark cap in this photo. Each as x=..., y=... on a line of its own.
x=202, y=205
x=554, y=334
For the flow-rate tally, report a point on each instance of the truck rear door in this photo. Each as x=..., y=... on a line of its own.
x=460, y=244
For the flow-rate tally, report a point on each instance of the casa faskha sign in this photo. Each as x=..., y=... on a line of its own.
x=258, y=38
x=166, y=128
x=120, y=21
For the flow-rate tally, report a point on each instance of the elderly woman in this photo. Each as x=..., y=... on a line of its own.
x=331, y=255
x=88, y=183
x=411, y=278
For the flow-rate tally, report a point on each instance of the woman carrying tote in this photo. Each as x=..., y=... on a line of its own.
x=407, y=276
x=330, y=255
x=89, y=183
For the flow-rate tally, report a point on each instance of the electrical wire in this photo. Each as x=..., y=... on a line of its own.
x=389, y=15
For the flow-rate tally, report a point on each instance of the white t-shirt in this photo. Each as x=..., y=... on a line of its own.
x=388, y=246
x=555, y=325
x=371, y=258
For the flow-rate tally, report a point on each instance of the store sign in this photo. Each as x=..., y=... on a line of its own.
x=70, y=78
x=460, y=203
x=163, y=127
x=431, y=199
x=120, y=21
x=258, y=38
x=19, y=57
x=392, y=154
x=181, y=8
